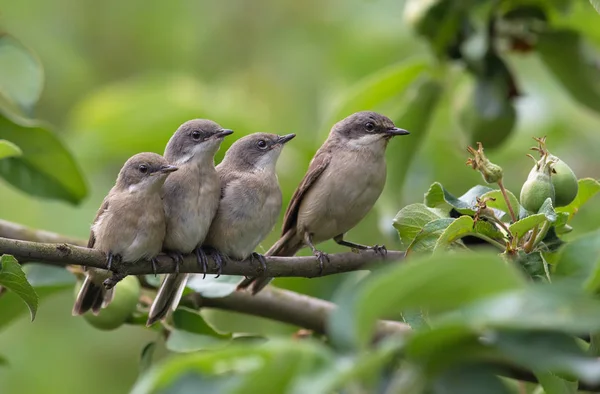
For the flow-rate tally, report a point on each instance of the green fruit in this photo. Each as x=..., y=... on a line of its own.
x=565, y=183
x=536, y=190
x=124, y=303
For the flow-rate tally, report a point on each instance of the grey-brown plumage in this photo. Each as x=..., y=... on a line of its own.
x=191, y=197
x=250, y=197
x=129, y=226
x=344, y=180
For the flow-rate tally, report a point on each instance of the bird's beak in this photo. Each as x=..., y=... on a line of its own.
x=167, y=169
x=285, y=138
x=222, y=133
x=394, y=131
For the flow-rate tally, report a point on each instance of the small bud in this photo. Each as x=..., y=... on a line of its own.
x=491, y=172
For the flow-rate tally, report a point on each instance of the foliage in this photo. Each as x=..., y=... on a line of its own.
x=487, y=285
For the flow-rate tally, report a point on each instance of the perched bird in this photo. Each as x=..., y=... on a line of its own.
x=344, y=180
x=129, y=226
x=191, y=198
x=250, y=196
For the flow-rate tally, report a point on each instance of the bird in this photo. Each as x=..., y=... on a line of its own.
x=190, y=198
x=343, y=181
x=250, y=196
x=129, y=226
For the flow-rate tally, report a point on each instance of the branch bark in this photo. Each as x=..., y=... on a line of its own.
x=289, y=307
x=63, y=254
x=18, y=231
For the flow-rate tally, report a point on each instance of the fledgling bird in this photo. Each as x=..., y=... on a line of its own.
x=129, y=226
x=250, y=195
x=344, y=180
x=191, y=198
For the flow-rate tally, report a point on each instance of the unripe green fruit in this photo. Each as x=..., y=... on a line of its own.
x=565, y=183
x=536, y=190
x=124, y=303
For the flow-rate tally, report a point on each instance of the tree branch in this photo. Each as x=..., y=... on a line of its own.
x=17, y=231
x=288, y=307
x=300, y=266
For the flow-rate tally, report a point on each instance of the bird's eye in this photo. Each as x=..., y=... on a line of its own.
x=262, y=144
x=369, y=126
x=143, y=168
x=196, y=135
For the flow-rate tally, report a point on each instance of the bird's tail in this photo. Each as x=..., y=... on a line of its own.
x=168, y=297
x=92, y=296
x=287, y=245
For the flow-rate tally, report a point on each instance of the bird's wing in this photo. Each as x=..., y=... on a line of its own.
x=318, y=164
x=102, y=209
x=226, y=178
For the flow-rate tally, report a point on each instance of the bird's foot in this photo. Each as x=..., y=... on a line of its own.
x=177, y=259
x=117, y=258
x=220, y=260
x=202, y=260
x=154, y=262
x=379, y=249
x=322, y=257
x=261, y=259
x=111, y=282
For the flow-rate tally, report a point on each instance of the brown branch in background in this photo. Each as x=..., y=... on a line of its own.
x=288, y=307
x=17, y=231
x=300, y=266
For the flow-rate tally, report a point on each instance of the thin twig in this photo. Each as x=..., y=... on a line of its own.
x=505, y=195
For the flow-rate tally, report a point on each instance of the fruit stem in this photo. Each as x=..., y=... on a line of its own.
x=531, y=243
x=489, y=240
x=510, y=209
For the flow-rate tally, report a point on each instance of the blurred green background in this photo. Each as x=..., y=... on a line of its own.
x=122, y=76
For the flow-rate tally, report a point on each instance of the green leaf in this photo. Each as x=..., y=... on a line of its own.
x=8, y=149
x=524, y=225
x=547, y=351
x=578, y=261
x=181, y=341
x=489, y=114
x=533, y=264
x=212, y=287
x=21, y=74
x=46, y=168
x=437, y=283
x=45, y=279
x=500, y=202
x=3, y=361
x=439, y=22
x=540, y=306
x=456, y=230
x=547, y=209
x=471, y=379
x=410, y=220
x=588, y=188
x=552, y=384
x=192, y=333
x=13, y=278
x=420, y=104
x=596, y=5
x=378, y=88
x=564, y=53
x=427, y=238
x=437, y=196
x=146, y=357
x=275, y=366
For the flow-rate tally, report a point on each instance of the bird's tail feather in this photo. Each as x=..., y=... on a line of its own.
x=91, y=296
x=168, y=297
x=287, y=245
